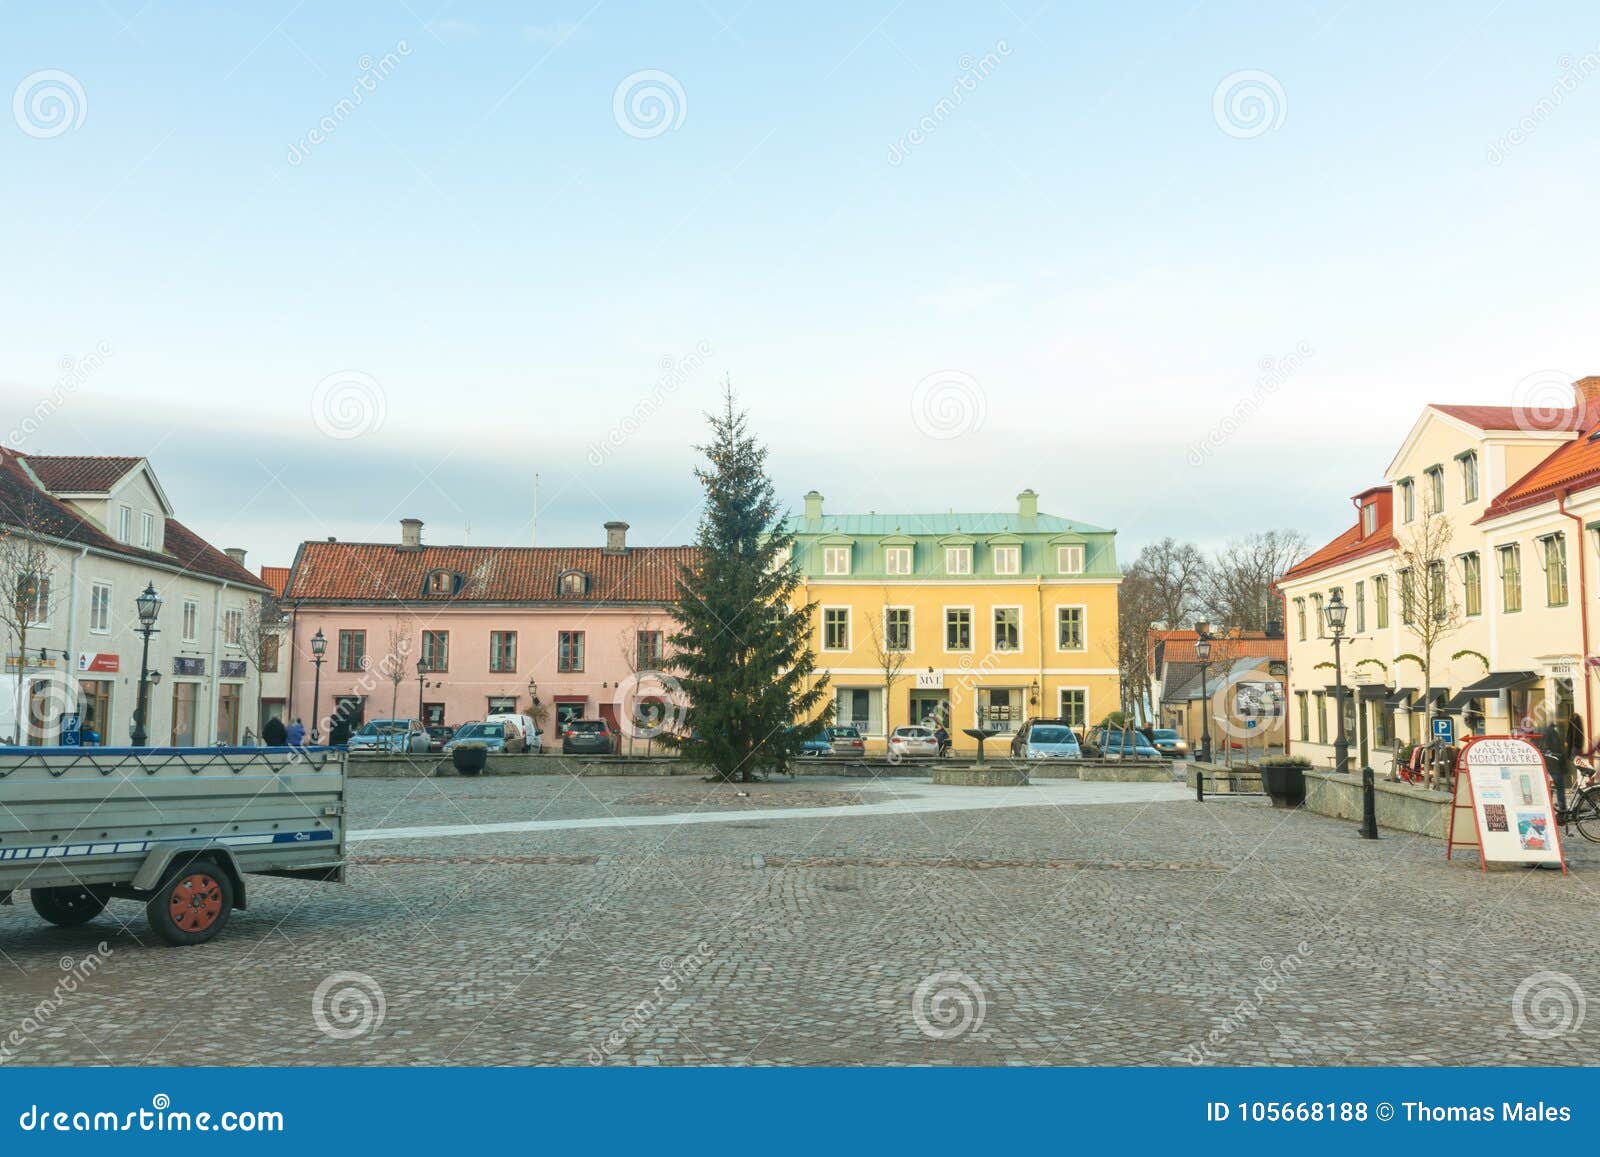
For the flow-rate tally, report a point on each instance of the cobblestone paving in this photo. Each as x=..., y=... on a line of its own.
x=1152, y=933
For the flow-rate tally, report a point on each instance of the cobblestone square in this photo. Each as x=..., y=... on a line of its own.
x=575, y=921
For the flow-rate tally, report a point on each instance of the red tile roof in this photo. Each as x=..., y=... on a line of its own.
x=80, y=475
x=1574, y=466
x=24, y=505
x=1178, y=647
x=370, y=572
x=1351, y=545
x=1532, y=418
x=276, y=578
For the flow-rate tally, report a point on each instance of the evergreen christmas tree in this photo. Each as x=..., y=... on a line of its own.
x=741, y=648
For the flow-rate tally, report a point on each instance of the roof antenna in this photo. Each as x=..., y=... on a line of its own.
x=466, y=534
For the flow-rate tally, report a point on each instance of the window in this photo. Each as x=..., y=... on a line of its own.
x=1438, y=591
x=958, y=560
x=436, y=650
x=1369, y=520
x=1408, y=597
x=191, y=621
x=1472, y=583
x=270, y=645
x=897, y=560
x=1510, y=558
x=650, y=650
x=897, y=629
x=569, y=651
x=1304, y=702
x=1069, y=559
x=1408, y=499
x=1380, y=601
x=352, y=650
x=1555, y=569
x=835, y=628
x=100, y=608
x=958, y=628
x=1469, y=476
x=1008, y=560
x=35, y=592
x=147, y=530
x=441, y=582
x=1075, y=706
x=502, y=651
x=1316, y=609
x=1435, y=477
x=1300, y=617
x=574, y=582
x=233, y=627
x=836, y=560
x=1008, y=628
x=1069, y=628
x=1322, y=716
x=125, y=524
x=857, y=707
x=1361, y=608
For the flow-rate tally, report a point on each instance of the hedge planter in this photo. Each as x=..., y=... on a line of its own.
x=471, y=758
x=1285, y=782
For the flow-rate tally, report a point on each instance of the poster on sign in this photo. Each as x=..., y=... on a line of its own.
x=1501, y=780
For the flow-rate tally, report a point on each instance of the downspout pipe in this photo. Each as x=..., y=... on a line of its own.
x=1583, y=614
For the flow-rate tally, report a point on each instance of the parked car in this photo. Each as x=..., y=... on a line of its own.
x=846, y=741
x=913, y=742
x=499, y=738
x=588, y=737
x=532, y=736
x=817, y=745
x=1046, y=739
x=439, y=736
x=1120, y=743
x=1167, y=741
x=399, y=736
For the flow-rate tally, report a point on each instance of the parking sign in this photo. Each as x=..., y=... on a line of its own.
x=1444, y=729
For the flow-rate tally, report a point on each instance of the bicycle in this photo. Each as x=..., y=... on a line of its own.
x=1583, y=807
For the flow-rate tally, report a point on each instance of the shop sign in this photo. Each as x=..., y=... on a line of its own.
x=91, y=661
x=1501, y=780
x=186, y=666
x=930, y=680
x=232, y=668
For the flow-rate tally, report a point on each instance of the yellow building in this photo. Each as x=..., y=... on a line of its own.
x=968, y=618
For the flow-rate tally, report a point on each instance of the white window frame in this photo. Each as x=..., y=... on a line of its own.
x=849, y=629
x=1083, y=628
x=102, y=613
x=233, y=627
x=911, y=630
x=897, y=560
x=190, y=625
x=994, y=624
x=46, y=587
x=833, y=557
x=1069, y=559
x=944, y=627
x=1061, y=706
x=875, y=714
x=147, y=530
x=1012, y=554
x=961, y=554
x=125, y=524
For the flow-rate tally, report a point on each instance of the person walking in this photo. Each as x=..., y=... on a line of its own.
x=274, y=733
x=296, y=733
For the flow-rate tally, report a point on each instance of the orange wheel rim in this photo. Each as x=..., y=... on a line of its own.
x=196, y=902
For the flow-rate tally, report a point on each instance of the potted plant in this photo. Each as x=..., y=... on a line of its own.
x=469, y=758
x=1283, y=778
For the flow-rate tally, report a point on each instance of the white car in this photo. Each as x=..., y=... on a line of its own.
x=909, y=742
x=532, y=740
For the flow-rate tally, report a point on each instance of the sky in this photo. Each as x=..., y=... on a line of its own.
x=1184, y=269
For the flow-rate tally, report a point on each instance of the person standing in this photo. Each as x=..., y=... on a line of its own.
x=274, y=733
x=296, y=733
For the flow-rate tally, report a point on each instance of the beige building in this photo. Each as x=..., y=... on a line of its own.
x=1467, y=573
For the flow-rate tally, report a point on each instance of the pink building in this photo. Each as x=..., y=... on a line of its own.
x=554, y=632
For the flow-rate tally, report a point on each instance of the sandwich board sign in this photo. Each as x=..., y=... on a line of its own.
x=1501, y=781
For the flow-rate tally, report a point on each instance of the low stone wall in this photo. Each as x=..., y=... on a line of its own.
x=1126, y=772
x=1400, y=806
x=989, y=775
x=428, y=766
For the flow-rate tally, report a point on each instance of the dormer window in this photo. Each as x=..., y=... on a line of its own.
x=1369, y=520
x=573, y=583
x=442, y=583
x=1069, y=559
x=1007, y=559
x=836, y=560
x=147, y=530
x=958, y=560
x=897, y=560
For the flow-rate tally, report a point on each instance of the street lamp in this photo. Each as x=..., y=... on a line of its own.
x=149, y=607
x=1335, y=613
x=319, y=648
x=1202, y=651
x=422, y=675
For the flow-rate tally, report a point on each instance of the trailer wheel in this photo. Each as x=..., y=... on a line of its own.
x=192, y=904
x=68, y=906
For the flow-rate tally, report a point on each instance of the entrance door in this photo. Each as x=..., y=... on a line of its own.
x=228, y=714
x=930, y=709
x=185, y=696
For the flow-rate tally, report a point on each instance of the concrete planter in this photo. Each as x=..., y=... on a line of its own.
x=1284, y=783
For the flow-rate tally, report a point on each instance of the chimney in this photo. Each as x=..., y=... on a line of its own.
x=1028, y=504
x=411, y=534
x=616, y=538
x=1587, y=391
x=813, y=506
x=236, y=553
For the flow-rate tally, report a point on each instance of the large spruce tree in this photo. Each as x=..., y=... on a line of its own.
x=741, y=648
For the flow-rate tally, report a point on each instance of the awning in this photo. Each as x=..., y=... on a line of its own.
x=1498, y=681
x=1372, y=691
x=1437, y=698
x=1400, y=697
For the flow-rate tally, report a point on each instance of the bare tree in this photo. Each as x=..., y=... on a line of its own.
x=393, y=666
x=261, y=638
x=1139, y=609
x=890, y=657
x=1176, y=576
x=637, y=646
x=1240, y=580
x=26, y=582
x=1429, y=609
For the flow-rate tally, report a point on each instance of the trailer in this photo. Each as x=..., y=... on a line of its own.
x=176, y=828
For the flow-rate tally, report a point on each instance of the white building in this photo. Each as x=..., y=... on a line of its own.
x=106, y=531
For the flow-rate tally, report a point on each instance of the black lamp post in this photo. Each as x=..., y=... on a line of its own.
x=1202, y=651
x=1335, y=613
x=319, y=649
x=149, y=607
